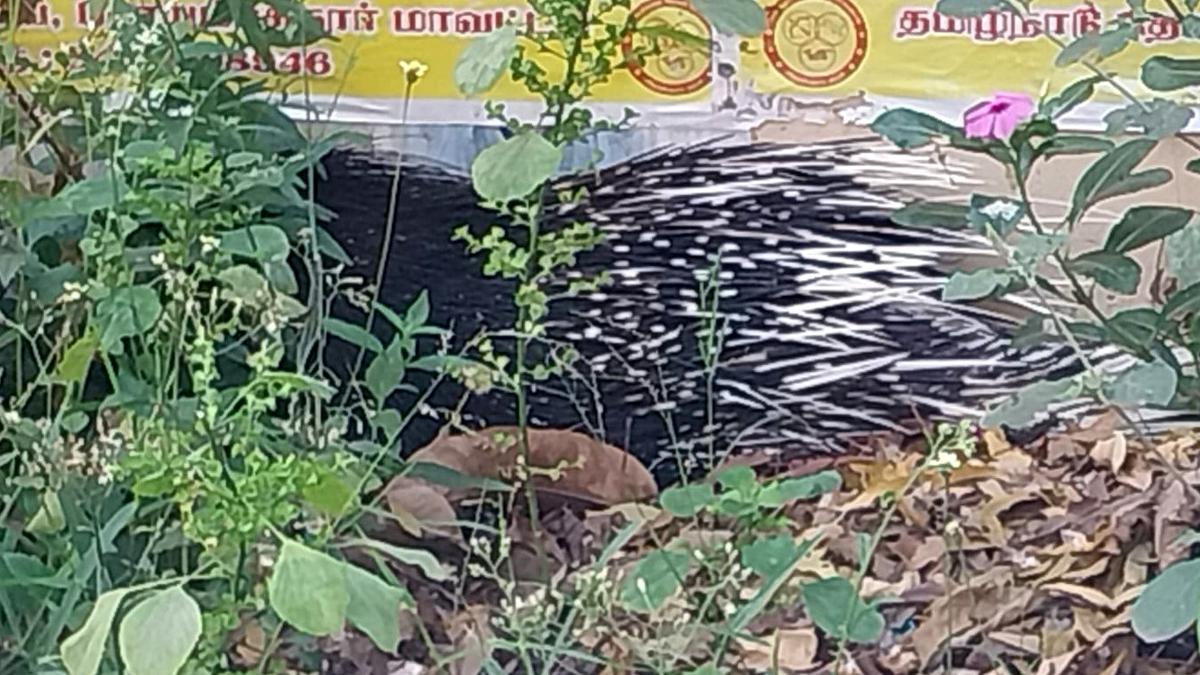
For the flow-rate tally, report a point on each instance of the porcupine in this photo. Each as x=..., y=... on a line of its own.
x=832, y=317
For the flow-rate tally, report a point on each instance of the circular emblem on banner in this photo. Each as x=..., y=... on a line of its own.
x=815, y=43
x=672, y=65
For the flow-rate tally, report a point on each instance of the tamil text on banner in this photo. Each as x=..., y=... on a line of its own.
x=887, y=51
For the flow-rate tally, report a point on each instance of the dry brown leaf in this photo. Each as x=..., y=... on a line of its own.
x=1170, y=505
x=1098, y=428
x=420, y=507
x=876, y=479
x=1111, y=452
x=469, y=634
x=1059, y=664
x=564, y=463
x=249, y=643
x=1138, y=476
x=1025, y=642
x=792, y=647
x=1091, y=596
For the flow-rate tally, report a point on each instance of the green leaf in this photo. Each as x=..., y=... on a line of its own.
x=1191, y=24
x=1169, y=603
x=1032, y=249
x=807, y=487
x=329, y=494
x=1068, y=144
x=1167, y=73
x=1076, y=94
x=386, y=371
x=1111, y=174
x=1135, y=328
x=76, y=359
x=770, y=557
x=834, y=606
x=307, y=589
x=1022, y=408
x=354, y=334
x=1000, y=213
x=1194, y=166
x=423, y=560
x=375, y=607
x=1142, y=225
x=265, y=243
x=771, y=585
x=1157, y=119
x=969, y=8
x=439, y=474
x=739, y=477
x=1114, y=271
x=1151, y=384
x=1182, y=303
x=932, y=215
x=12, y=257
x=514, y=167
x=75, y=421
x=685, y=501
x=103, y=191
x=735, y=17
x=49, y=517
x=911, y=129
x=418, y=312
x=1183, y=250
x=126, y=312
x=484, y=60
x=974, y=285
x=82, y=651
x=654, y=579
x=159, y=633
x=1101, y=45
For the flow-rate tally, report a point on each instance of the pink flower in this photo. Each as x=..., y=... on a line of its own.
x=997, y=117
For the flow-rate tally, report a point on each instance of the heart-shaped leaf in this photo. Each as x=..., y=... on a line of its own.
x=975, y=285
x=308, y=589
x=484, y=60
x=1169, y=603
x=654, y=579
x=159, y=633
x=685, y=501
x=834, y=606
x=514, y=167
x=82, y=651
x=1023, y=407
x=1151, y=383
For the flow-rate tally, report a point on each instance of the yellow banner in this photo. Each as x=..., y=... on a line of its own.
x=891, y=49
x=903, y=48
x=370, y=37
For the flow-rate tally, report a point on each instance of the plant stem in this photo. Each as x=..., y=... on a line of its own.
x=388, y=234
x=864, y=564
x=1080, y=293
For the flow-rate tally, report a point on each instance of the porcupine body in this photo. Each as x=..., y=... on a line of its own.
x=830, y=315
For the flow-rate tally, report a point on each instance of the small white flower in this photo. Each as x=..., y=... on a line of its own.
x=1002, y=209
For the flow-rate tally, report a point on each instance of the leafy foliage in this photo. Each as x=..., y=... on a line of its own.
x=1163, y=336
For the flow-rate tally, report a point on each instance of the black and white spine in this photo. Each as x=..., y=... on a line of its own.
x=832, y=322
